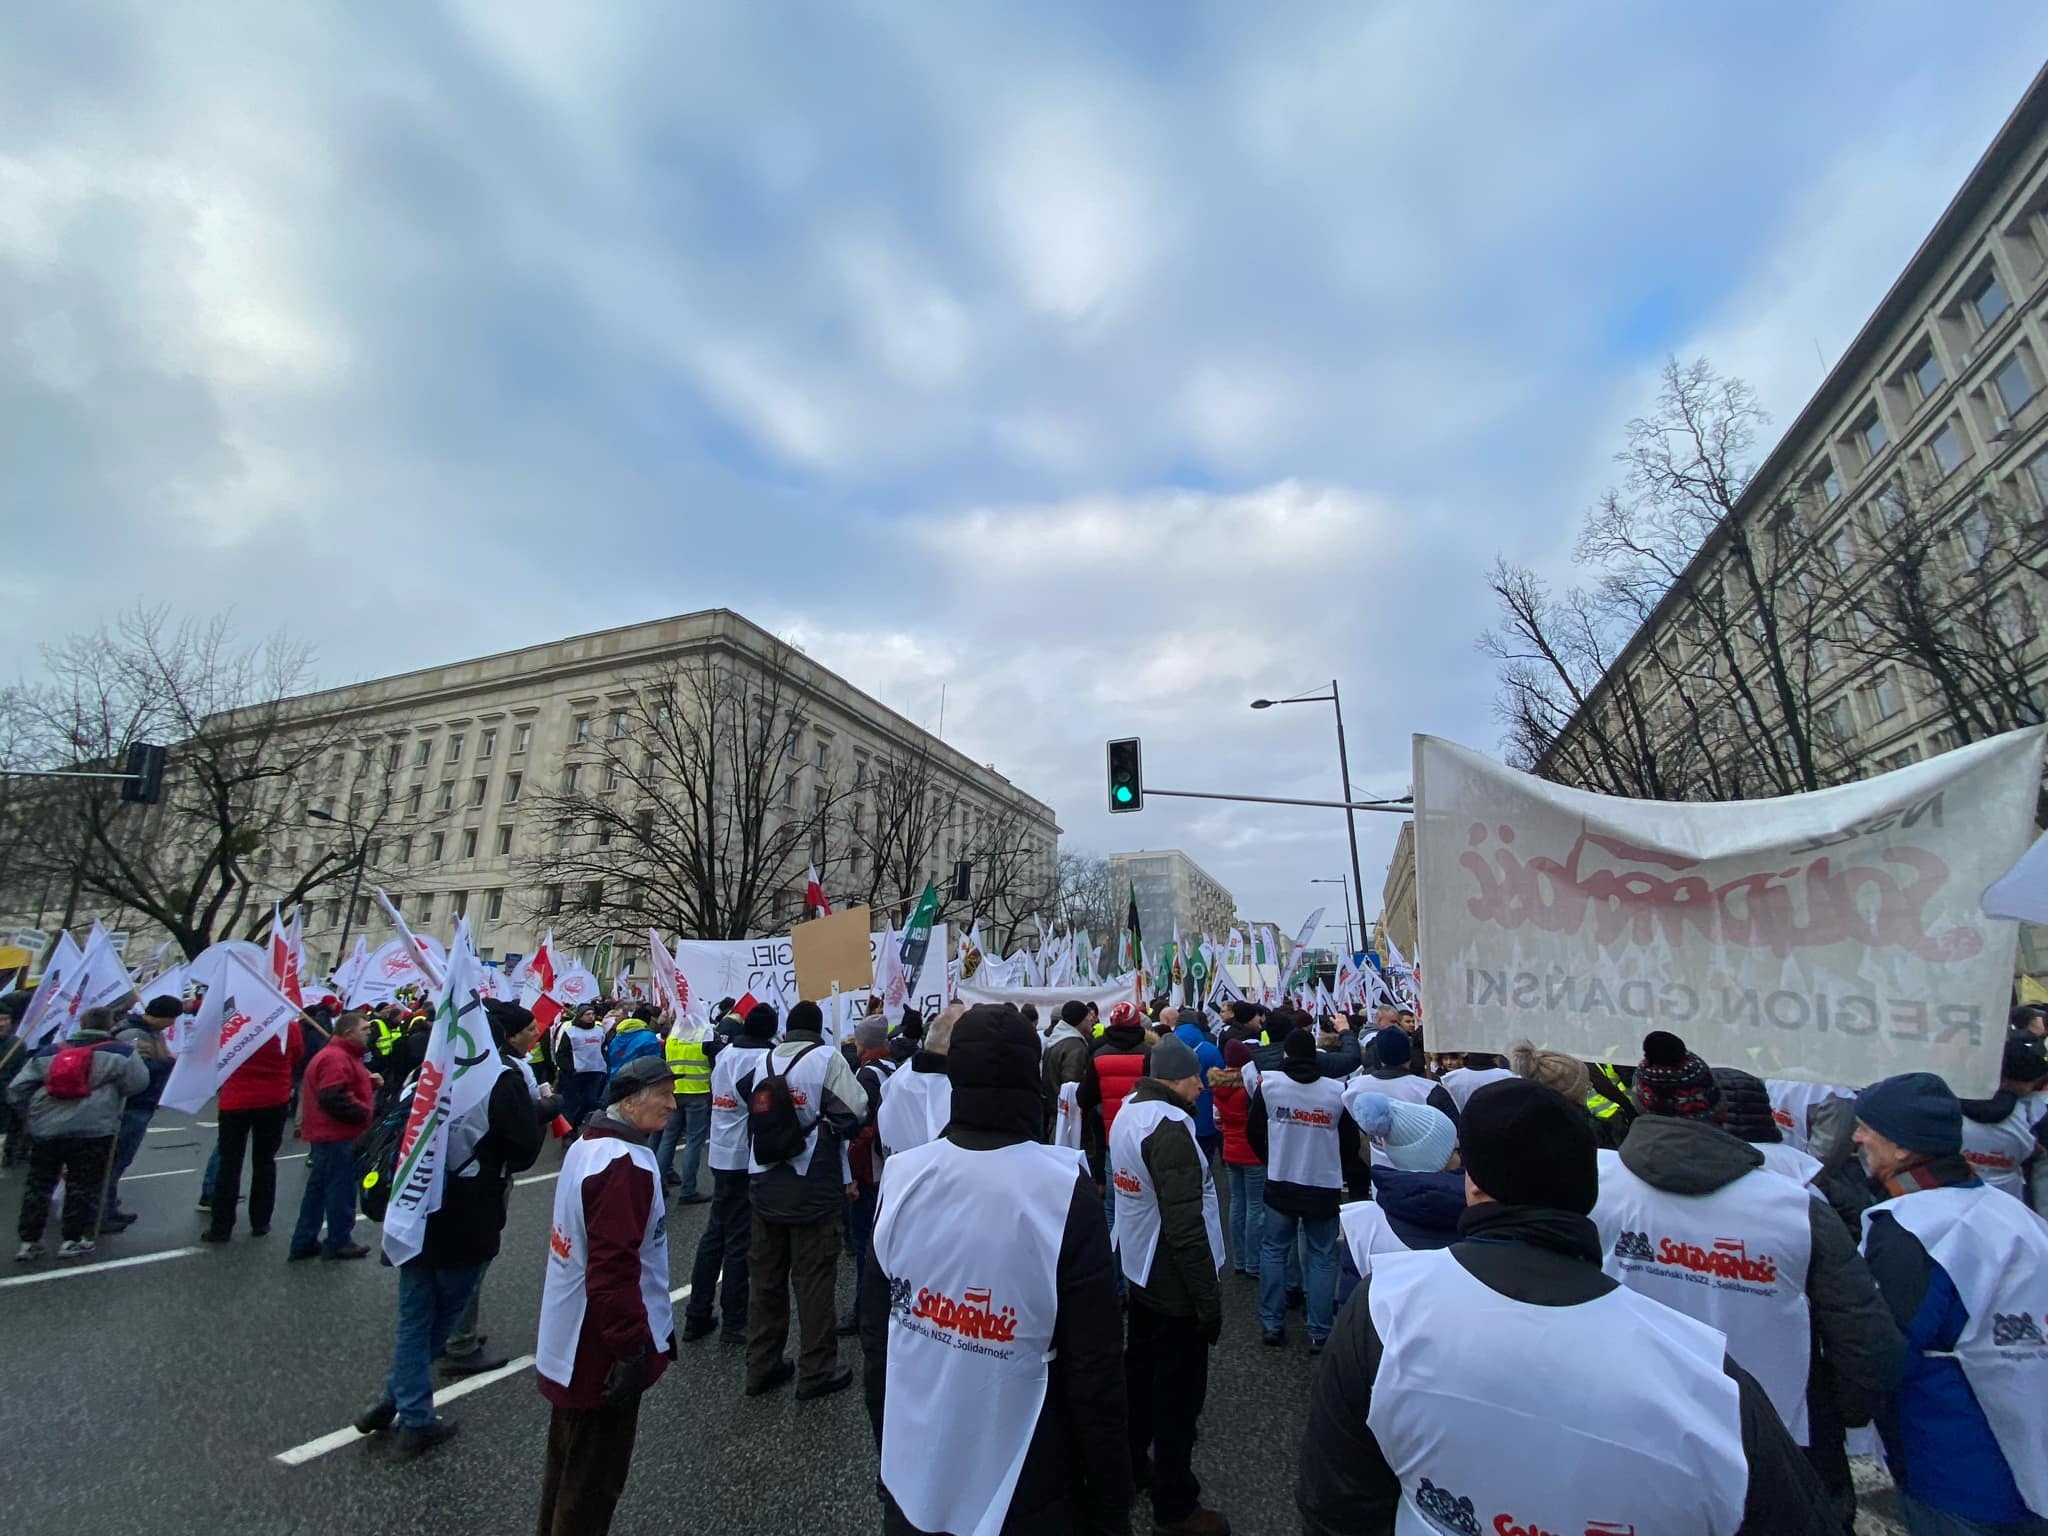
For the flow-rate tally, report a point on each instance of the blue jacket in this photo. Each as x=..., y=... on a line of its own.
x=1936, y=1439
x=633, y=1039
x=1210, y=1055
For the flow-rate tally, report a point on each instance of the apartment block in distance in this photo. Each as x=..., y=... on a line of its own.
x=1171, y=889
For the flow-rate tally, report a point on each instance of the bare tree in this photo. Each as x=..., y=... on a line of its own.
x=1012, y=881
x=221, y=845
x=1085, y=897
x=893, y=832
x=684, y=809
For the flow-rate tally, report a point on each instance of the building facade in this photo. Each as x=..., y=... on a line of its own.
x=1397, y=919
x=1173, y=892
x=453, y=777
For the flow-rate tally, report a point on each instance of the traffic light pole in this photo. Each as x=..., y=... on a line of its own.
x=1397, y=807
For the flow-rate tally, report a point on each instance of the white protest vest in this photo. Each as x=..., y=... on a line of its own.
x=731, y=1073
x=1301, y=1131
x=1799, y=1167
x=806, y=1092
x=586, y=1048
x=1249, y=1075
x=1367, y=1232
x=916, y=1110
x=1135, y=1234
x=1463, y=1082
x=1735, y=1259
x=1997, y=1153
x=1995, y=1251
x=1500, y=1416
x=1066, y=1128
x=563, y=1293
x=970, y=1243
x=1792, y=1106
x=1414, y=1090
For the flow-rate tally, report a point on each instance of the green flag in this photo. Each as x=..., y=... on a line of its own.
x=602, y=965
x=917, y=933
x=1198, y=963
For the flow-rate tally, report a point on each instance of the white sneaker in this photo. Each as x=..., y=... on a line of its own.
x=28, y=1253
x=77, y=1248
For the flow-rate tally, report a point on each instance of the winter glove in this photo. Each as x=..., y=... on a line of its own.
x=1212, y=1329
x=625, y=1381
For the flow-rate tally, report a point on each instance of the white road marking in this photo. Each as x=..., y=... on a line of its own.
x=73, y=1271
x=299, y=1455
x=171, y=1173
x=166, y=1130
x=535, y=1178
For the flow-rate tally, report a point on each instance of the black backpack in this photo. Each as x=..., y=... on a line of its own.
x=773, y=1124
x=376, y=1159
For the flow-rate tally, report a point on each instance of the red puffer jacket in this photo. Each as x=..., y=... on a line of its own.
x=264, y=1081
x=1232, y=1105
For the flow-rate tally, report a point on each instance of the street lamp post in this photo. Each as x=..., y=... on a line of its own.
x=1345, y=887
x=1344, y=767
x=355, y=889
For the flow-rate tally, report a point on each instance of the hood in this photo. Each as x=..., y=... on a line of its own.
x=1424, y=1202
x=76, y=1037
x=1984, y=1111
x=1124, y=1039
x=1192, y=1034
x=1061, y=1031
x=928, y=1061
x=604, y=1124
x=1150, y=1090
x=1686, y=1156
x=627, y=1026
x=1303, y=1071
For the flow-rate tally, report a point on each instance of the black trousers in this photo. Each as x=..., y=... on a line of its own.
x=803, y=1259
x=590, y=1451
x=1166, y=1376
x=81, y=1161
x=728, y=1230
x=259, y=1133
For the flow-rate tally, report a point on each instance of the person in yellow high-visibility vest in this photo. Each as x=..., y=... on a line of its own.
x=688, y=1050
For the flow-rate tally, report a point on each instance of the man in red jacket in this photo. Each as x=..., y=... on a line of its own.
x=334, y=1109
x=607, y=1328
x=253, y=1104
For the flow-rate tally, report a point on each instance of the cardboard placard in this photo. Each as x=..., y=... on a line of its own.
x=832, y=949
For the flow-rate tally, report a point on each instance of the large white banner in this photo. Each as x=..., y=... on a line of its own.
x=717, y=968
x=1833, y=937
x=242, y=1013
x=1105, y=995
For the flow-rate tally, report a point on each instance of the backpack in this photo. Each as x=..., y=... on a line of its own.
x=69, y=1075
x=376, y=1159
x=773, y=1124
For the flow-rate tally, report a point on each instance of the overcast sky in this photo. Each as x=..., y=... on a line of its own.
x=1109, y=365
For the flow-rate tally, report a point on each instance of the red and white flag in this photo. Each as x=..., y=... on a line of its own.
x=242, y=1013
x=538, y=985
x=814, y=895
x=284, y=959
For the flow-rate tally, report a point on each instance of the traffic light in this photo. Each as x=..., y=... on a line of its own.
x=1126, y=776
x=145, y=770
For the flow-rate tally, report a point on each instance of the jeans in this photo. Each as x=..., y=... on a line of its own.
x=1166, y=1377
x=1320, y=1271
x=81, y=1162
x=1109, y=1215
x=860, y=1236
x=260, y=1132
x=1247, y=1214
x=1925, y=1520
x=429, y=1302
x=128, y=1142
x=464, y=1342
x=330, y=1196
x=722, y=1250
x=212, y=1174
x=689, y=1126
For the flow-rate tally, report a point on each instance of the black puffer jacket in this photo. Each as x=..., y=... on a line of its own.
x=1745, y=1107
x=1182, y=1281
x=466, y=1228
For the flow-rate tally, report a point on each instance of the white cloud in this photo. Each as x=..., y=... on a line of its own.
x=914, y=327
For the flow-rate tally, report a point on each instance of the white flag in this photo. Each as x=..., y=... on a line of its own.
x=454, y=1082
x=242, y=1013
x=352, y=973
x=58, y=986
x=1308, y=929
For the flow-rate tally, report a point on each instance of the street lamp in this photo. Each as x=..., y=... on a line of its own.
x=355, y=889
x=1344, y=767
x=1346, y=889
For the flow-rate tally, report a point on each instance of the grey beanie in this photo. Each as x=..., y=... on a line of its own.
x=1173, y=1060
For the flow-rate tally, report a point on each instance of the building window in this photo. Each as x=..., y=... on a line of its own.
x=1976, y=534
x=856, y=859
x=824, y=751
x=458, y=904
x=437, y=845
x=504, y=839
x=455, y=748
x=817, y=799
x=582, y=732
x=334, y=913
x=593, y=895
x=1989, y=302
x=789, y=790
x=1905, y=757
x=1829, y=484
x=446, y=799
x=422, y=754
x=859, y=815
x=1927, y=375
x=391, y=758
x=426, y=911
x=571, y=777
x=522, y=735
x=469, y=843
x=618, y=723
x=2014, y=386
x=1845, y=549
x=476, y=790
x=494, y=905
x=1841, y=723
x=2012, y=619
x=1948, y=449
x=412, y=801
x=604, y=835
x=860, y=770
x=551, y=899
x=1823, y=662
x=486, y=744
x=1884, y=695
x=1871, y=434
x=792, y=749
x=2037, y=475
x=512, y=783
x=612, y=772
x=643, y=826
x=405, y=849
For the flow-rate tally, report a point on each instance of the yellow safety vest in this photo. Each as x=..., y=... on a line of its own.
x=689, y=1065
x=1602, y=1108
x=388, y=1036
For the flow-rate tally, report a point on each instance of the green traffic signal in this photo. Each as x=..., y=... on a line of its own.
x=1123, y=794
x=1126, y=776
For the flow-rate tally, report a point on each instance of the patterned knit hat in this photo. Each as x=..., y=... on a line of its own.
x=1672, y=1080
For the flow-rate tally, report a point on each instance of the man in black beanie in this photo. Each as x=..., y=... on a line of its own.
x=989, y=1313
x=1475, y=1384
x=1685, y=1204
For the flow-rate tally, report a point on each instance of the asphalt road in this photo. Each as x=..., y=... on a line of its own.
x=156, y=1388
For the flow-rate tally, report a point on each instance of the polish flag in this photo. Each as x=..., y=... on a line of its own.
x=284, y=959
x=814, y=895
x=539, y=983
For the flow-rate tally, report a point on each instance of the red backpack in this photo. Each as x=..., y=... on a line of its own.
x=69, y=1075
